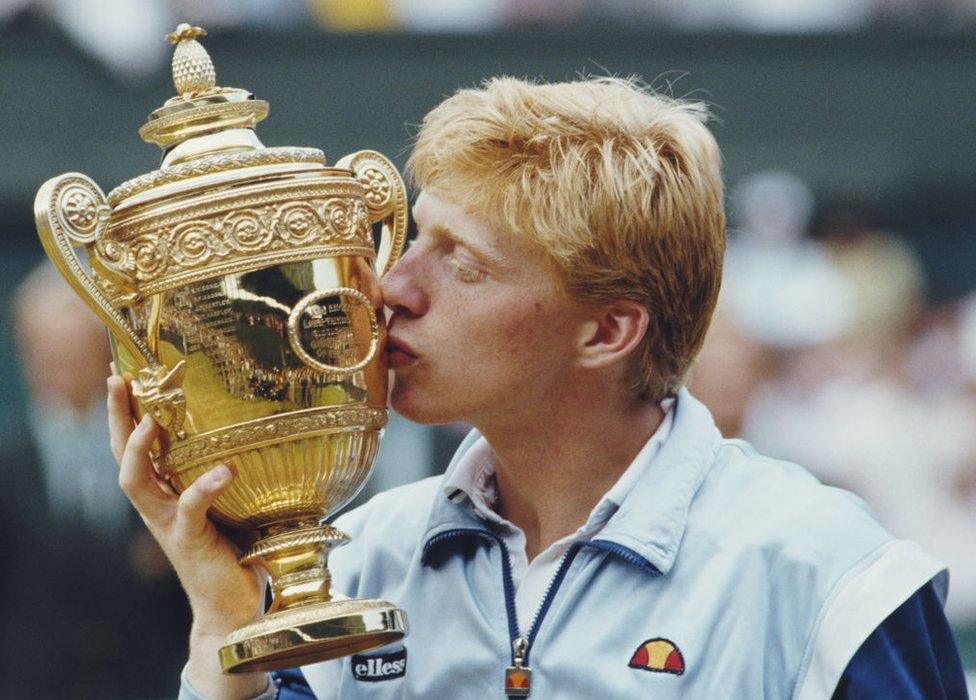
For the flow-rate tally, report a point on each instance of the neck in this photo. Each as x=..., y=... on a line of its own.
x=552, y=471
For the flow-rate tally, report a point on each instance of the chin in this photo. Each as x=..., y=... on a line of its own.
x=420, y=406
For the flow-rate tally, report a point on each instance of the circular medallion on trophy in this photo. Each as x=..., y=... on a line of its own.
x=334, y=330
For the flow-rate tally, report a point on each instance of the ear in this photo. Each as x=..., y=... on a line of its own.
x=612, y=333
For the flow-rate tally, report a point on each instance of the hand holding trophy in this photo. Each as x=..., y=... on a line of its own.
x=223, y=594
x=238, y=286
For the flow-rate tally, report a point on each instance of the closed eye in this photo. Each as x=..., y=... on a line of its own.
x=466, y=272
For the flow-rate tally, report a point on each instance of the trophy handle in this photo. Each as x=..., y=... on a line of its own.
x=386, y=201
x=71, y=210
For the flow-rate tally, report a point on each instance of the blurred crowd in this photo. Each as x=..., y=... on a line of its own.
x=125, y=34
x=825, y=352
x=89, y=606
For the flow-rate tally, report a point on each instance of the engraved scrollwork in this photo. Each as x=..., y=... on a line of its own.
x=348, y=220
x=340, y=217
x=177, y=247
x=115, y=256
x=151, y=256
x=212, y=206
x=195, y=243
x=386, y=199
x=115, y=253
x=245, y=231
x=296, y=222
x=364, y=230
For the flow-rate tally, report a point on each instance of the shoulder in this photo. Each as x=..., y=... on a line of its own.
x=751, y=501
x=826, y=565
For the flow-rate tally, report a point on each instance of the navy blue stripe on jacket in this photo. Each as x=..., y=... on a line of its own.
x=912, y=654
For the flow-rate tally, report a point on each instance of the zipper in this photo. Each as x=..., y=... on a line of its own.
x=550, y=595
x=518, y=676
x=626, y=554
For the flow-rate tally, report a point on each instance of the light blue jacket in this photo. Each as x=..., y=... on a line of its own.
x=738, y=575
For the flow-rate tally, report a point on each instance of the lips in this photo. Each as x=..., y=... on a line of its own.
x=399, y=354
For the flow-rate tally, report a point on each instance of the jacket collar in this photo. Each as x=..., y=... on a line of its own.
x=648, y=528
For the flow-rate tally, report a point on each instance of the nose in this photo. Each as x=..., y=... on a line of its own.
x=402, y=287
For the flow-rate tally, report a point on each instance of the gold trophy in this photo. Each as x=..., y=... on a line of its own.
x=239, y=288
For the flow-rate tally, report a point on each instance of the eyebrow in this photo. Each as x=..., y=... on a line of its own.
x=486, y=254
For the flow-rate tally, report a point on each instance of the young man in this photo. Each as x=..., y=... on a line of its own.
x=595, y=527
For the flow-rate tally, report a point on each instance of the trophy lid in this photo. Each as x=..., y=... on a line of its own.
x=206, y=132
x=200, y=107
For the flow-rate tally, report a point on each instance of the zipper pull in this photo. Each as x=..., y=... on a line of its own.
x=518, y=678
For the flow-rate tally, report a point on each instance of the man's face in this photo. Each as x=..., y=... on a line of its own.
x=480, y=328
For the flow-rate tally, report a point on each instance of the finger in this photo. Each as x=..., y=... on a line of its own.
x=136, y=476
x=119, y=416
x=191, y=509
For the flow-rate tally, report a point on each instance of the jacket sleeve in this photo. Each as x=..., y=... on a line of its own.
x=912, y=654
x=188, y=692
x=292, y=685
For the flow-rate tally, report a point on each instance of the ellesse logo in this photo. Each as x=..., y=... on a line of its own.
x=379, y=667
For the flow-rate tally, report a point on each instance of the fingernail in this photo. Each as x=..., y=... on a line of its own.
x=146, y=422
x=220, y=474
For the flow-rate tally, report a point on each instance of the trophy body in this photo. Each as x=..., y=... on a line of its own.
x=240, y=287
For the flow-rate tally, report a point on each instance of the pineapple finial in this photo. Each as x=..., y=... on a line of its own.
x=193, y=71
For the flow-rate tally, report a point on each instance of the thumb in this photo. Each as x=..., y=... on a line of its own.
x=191, y=509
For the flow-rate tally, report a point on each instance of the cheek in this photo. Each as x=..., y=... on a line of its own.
x=534, y=339
x=544, y=321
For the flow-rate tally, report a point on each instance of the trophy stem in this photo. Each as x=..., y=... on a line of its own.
x=304, y=624
x=295, y=555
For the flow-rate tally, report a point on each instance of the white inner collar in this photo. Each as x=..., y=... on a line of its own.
x=474, y=477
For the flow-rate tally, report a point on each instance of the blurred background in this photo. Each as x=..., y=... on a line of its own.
x=845, y=337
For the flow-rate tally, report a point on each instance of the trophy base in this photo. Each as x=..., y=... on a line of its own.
x=312, y=633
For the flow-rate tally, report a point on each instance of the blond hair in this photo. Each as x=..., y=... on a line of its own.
x=619, y=187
